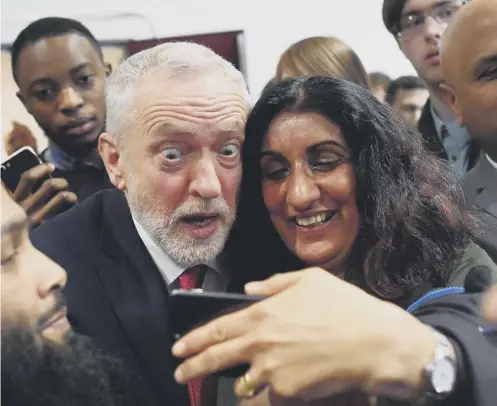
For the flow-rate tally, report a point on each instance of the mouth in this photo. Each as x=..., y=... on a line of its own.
x=58, y=320
x=202, y=225
x=80, y=126
x=314, y=220
x=432, y=55
x=201, y=219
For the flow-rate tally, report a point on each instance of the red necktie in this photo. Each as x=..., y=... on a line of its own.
x=199, y=389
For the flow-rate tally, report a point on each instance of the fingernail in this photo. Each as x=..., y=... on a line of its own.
x=251, y=286
x=178, y=349
x=178, y=375
x=51, y=167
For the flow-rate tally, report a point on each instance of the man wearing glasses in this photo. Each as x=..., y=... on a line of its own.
x=418, y=26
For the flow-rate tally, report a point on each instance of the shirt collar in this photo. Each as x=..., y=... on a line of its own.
x=492, y=162
x=63, y=161
x=167, y=267
x=59, y=158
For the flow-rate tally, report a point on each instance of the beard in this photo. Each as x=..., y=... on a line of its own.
x=165, y=231
x=75, y=373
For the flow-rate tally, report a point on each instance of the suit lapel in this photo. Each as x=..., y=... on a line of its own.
x=486, y=187
x=139, y=297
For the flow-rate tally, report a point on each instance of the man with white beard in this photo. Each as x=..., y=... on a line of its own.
x=175, y=127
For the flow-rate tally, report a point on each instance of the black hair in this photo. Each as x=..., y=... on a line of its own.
x=49, y=27
x=413, y=224
x=403, y=83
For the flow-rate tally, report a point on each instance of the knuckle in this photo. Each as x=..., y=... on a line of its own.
x=219, y=334
x=283, y=388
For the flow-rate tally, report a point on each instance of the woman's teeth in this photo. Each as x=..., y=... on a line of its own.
x=312, y=220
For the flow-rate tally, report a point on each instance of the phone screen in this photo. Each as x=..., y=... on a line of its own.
x=18, y=163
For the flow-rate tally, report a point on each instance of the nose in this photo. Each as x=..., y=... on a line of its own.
x=302, y=190
x=205, y=181
x=51, y=276
x=69, y=100
x=433, y=29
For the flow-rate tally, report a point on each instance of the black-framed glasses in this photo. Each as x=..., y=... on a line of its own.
x=411, y=24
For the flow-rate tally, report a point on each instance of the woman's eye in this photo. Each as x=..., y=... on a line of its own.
x=274, y=173
x=172, y=154
x=230, y=149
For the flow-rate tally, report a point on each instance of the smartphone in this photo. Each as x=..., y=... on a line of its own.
x=192, y=308
x=16, y=164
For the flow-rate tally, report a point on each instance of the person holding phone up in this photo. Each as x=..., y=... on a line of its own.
x=59, y=68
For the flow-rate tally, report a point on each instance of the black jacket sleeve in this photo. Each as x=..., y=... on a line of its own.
x=458, y=318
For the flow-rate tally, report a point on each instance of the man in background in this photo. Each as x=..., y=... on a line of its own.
x=469, y=60
x=175, y=128
x=43, y=361
x=58, y=65
x=379, y=84
x=418, y=26
x=407, y=95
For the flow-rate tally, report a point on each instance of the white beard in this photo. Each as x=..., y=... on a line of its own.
x=166, y=232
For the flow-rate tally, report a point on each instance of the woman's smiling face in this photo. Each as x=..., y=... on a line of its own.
x=309, y=188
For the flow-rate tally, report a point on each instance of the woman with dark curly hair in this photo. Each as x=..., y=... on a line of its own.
x=332, y=179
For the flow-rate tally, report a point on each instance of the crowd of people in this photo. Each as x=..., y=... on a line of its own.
x=363, y=210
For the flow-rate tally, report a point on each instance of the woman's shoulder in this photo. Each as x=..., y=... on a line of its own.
x=472, y=257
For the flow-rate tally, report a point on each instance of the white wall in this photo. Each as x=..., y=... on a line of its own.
x=270, y=25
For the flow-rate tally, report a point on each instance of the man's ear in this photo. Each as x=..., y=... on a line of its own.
x=112, y=158
x=450, y=98
x=21, y=99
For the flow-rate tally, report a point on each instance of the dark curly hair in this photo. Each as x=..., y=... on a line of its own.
x=413, y=221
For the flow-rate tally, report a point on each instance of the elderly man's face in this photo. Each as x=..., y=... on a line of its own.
x=182, y=165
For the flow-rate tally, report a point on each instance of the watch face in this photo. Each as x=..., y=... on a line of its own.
x=443, y=376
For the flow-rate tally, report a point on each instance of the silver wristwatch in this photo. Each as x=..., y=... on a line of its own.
x=440, y=373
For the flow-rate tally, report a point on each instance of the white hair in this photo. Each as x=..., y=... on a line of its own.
x=177, y=59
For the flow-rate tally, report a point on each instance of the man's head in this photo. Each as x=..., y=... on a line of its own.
x=469, y=61
x=175, y=127
x=379, y=84
x=31, y=282
x=58, y=66
x=418, y=26
x=407, y=95
x=43, y=361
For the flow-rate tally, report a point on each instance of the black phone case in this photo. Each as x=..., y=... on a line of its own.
x=14, y=167
x=190, y=309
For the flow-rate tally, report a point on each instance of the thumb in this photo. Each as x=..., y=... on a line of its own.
x=274, y=284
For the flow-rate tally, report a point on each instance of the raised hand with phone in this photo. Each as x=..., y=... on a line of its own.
x=33, y=187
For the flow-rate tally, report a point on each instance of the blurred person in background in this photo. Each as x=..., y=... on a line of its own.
x=469, y=61
x=58, y=65
x=333, y=179
x=44, y=363
x=379, y=85
x=418, y=27
x=322, y=56
x=407, y=95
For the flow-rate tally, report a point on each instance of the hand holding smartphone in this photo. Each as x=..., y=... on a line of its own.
x=192, y=308
x=33, y=186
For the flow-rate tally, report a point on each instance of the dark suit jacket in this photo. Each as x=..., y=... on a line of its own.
x=458, y=318
x=426, y=127
x=115, y=292
x=480, y=191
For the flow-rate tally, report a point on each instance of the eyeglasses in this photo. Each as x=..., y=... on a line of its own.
x=412, y=24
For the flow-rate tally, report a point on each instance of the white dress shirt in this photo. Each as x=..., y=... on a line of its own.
x=492, y=162
x=214, y=279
